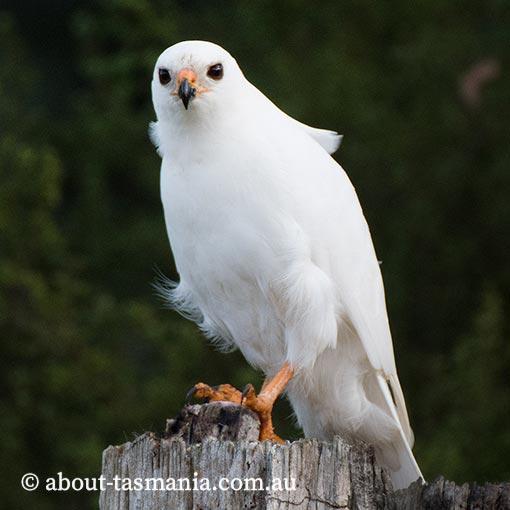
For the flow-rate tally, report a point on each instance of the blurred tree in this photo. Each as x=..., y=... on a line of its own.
x=86, y=353
x=476, y=400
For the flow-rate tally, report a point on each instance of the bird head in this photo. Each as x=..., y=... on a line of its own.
x=193, y=76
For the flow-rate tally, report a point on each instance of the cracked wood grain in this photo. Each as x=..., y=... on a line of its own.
x=219, y=440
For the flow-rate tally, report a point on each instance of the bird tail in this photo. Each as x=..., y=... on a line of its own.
x=403, y=466
x=408, y=471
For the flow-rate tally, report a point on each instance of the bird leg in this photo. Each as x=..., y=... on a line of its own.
x=262, y=404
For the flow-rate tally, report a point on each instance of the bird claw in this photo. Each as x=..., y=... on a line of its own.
x=248, y=391
x=192, y=393
x=223, y=392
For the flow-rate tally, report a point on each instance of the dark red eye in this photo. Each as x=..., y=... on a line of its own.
x=164, y=76
x=215, y=72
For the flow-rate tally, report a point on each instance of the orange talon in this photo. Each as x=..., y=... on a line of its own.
x=223, y=392
x=262, y=404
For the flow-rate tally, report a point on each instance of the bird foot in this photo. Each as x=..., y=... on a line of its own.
x=262, y=404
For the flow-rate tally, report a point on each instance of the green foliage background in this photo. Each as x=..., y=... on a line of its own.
x=88, y=356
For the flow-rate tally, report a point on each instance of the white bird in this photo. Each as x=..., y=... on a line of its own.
x=274, y=255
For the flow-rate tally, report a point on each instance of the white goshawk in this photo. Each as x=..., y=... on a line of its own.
x=275, y=256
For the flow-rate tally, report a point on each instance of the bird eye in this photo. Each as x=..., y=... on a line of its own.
x=215, y=72
x=164, y=76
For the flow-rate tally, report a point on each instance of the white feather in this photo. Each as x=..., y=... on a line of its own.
x=275, y=256
x=329, y=140
x=154, y=137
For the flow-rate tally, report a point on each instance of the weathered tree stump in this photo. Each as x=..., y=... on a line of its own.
x=209, y=458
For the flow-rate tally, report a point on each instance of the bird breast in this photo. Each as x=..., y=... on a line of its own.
x=253, y=234
x=226, y=237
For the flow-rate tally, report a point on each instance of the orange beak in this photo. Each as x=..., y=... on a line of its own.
x=186, y=74
x=187, y=87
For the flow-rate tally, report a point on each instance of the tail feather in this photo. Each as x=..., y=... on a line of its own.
x=407, y=470
x=400, y=405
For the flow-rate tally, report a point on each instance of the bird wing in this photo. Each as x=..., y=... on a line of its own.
x=359, y=276
x=363, y=297
x=329, y=140
x=340, y=222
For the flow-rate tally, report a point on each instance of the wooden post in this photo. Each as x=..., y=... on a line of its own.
x=209, y=458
